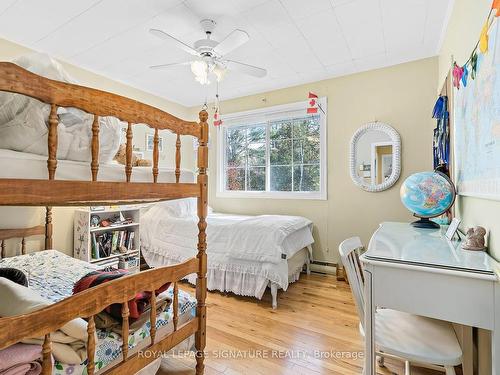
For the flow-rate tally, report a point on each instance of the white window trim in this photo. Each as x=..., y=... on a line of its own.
x=320, y=195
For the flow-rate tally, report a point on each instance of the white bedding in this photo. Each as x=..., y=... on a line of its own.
x=25, y=165
x=241, y=252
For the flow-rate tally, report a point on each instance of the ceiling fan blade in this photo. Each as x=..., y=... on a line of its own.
x=245, y=68
x=234, y=40
x=163, y=35
x=171, y=65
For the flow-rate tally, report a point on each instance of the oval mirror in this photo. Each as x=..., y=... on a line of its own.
x=375, y=160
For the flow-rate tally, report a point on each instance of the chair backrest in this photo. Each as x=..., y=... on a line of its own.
x=349, y=253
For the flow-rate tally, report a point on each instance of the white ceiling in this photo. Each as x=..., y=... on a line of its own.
x=297, y=41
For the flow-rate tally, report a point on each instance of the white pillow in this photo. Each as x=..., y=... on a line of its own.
x=182, y=208
x=186, y=207
x=23, y=120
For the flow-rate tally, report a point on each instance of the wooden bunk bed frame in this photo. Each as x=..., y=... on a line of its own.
x=52, y=192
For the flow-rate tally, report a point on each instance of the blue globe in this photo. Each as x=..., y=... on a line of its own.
x=428, y=194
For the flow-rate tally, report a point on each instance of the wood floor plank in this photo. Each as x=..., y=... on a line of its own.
x=313, y=331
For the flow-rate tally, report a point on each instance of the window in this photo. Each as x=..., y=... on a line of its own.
x=276, y=152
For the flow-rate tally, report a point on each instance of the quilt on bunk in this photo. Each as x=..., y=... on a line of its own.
x=47, y=273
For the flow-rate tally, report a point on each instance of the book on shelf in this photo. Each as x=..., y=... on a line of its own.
x=95, y=249
x=114, y=241
x=109, y=243
x=130, y=243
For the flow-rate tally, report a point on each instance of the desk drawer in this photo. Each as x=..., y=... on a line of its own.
x=445, y=296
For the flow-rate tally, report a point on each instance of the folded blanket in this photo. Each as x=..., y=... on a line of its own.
x=136, y=306
x=105, y=321
x=21, y=359
x=260, y=238
x=68, y=343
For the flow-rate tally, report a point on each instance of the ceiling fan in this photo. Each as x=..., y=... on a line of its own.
x=209, y=54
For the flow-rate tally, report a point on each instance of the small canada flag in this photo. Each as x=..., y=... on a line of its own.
x=217, y=119
x=313, y=103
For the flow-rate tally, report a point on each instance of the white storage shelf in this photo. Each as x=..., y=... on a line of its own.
x=84, y=232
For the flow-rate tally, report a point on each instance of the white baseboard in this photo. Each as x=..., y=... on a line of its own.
x=330, y=270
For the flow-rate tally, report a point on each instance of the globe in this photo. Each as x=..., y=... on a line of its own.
x=427, y=195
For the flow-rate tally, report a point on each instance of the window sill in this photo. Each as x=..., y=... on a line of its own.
x=270, y=195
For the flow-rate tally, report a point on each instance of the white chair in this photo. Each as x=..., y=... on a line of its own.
x=414, y=339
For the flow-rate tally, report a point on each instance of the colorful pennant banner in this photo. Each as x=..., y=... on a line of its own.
x=461, y=73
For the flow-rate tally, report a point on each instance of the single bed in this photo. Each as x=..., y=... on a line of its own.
x=48, y=275
x=246, y=254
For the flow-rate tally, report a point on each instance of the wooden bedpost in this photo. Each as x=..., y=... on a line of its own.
x=52, y=142
x=201, y=282
x=178, y=158
x=94, y=165
x=156, y=141
x=128, y=149
x=48, y=228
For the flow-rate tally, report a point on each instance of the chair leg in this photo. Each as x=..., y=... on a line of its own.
x=450, y=370
x=407, y=368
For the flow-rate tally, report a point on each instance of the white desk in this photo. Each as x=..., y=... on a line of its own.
x=420, y=272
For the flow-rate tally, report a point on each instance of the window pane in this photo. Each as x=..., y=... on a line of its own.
x=257, y=154
x=306, y=128
x=281, y=178
x=281, y=152
x=235, y=179
x=306, y=151
x=306, y=178
x=280, y=130
x=257, y=178
x=236, y=147
x=257, y=134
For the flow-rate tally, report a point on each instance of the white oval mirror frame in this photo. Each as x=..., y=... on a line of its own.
x=396, y=156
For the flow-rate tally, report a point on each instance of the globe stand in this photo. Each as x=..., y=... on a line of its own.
x=425, y=223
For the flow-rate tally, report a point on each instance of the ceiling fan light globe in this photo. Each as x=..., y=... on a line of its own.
x=200, y=70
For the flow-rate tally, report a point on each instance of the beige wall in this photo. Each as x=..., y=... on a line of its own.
x=466, y=22
x=401, y=96
x=63, y=217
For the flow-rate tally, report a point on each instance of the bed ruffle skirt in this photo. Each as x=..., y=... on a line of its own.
x=241, y=278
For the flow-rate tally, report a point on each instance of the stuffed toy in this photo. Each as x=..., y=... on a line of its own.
x=121, y=157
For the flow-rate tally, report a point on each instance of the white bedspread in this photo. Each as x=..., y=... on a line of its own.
x=244, y=248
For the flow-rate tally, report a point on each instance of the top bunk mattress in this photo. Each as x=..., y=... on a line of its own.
x=21, y=165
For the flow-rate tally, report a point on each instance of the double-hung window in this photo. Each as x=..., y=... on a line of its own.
x=275, y=152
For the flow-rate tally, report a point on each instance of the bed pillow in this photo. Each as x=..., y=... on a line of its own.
x=23, y=120
x=185, y=207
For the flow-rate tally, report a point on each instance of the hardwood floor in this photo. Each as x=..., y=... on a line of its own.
x=313, y=331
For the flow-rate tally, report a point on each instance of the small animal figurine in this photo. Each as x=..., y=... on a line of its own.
x=121, y=157
x=474, y=239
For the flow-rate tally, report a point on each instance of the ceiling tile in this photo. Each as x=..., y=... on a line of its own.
x=299, y=56
x=341, y=69
x=371, y=62
x=325, y=37
x=106, y=19
x=401, y=30
x=5, y=5
x=361, y=24
x=437, y=16
x=298, y=9
x=40, y=18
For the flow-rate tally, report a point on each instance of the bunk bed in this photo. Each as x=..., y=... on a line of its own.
x=49, y=192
